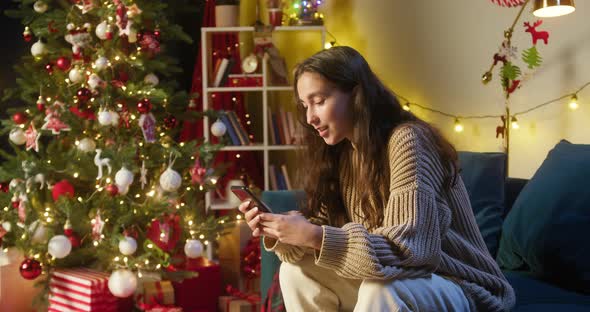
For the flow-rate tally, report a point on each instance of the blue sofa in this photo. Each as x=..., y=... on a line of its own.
x=518, y=219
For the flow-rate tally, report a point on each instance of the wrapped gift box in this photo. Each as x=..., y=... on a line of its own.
x=237, y=304
x=229, y=254
x=160, y=291
x=81, y=290
x=199, y=293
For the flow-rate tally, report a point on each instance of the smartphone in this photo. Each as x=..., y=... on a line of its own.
x=244, y=193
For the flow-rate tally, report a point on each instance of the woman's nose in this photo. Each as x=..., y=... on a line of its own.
x=312, y=119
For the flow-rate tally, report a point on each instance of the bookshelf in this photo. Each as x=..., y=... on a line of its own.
x=265, y=146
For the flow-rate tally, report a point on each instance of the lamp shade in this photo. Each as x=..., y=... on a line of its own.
x=551, y=8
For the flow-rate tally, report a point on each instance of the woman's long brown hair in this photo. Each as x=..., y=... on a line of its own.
x=376, y=112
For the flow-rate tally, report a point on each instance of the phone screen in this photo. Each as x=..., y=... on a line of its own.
x=244, y=193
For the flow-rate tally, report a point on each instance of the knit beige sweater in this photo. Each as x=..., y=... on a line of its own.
x=425, y=228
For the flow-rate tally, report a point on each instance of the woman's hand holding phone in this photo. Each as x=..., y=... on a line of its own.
x=251, y=214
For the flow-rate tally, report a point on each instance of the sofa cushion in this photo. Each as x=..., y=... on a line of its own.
x=484, y=176
x=538, y=296
x=548, y=227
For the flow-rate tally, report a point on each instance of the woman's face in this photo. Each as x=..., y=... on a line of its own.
x=327, y=108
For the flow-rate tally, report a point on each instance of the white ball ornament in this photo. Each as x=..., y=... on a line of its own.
x=40, y=6
x=101, y=63
x=17, y=136
x=87, y=145
x=76, y=75
x=59, y=246
x=218, y=128
x=70, y=26
x=101, y=30
x=122, y=283
x=151, y=79
x=127, y=246
x=7, y=226
x=124, y=177
x=38, y=49
x=170, y=180
x=193, y=248
x=105, y=118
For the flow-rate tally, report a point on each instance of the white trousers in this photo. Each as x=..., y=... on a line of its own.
x=308, y=287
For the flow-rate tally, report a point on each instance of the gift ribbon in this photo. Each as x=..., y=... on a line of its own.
x=154, y=301
x=254, y=299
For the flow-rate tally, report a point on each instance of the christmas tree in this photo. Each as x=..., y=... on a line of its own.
x=96, y=178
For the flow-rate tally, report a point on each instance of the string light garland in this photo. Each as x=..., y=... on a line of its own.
x=573, y=105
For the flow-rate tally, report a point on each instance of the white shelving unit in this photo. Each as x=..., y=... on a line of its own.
x=265, y=147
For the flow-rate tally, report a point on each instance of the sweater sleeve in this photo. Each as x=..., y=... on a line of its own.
x=290, y=253
x=409, y=242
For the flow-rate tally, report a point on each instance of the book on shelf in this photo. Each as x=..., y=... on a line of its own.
x=271, y=129
x=241, y=131
x=292, y=128
x=280, y=129
x=275, y=129
x=221, y=71
x=224, y=78
x=286, y=176
x=284, y=126
x=272, y=177
x=233, y=136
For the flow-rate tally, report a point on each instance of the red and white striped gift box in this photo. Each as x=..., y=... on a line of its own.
x=80, y=290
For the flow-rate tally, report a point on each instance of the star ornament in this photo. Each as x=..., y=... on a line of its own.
x=32, y=138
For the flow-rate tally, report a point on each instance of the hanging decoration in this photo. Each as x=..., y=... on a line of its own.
x=147, y=122
x=509, y=3
x=52, y=121
x=100, y=162
x=32, y=138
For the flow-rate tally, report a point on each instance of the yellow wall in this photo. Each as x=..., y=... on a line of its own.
x=434, y=53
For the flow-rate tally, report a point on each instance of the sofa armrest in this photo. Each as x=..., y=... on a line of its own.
x=512, y=188
x=279, y=202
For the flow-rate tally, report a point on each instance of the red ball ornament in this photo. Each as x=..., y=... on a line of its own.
x=4, y=187
x=62, y=188
x=49, y=68
x=144, y=106
x=19, y=118
x=73, y=238
x=63, y=63
x=30, y=269
x=157, y=34
x=112, y=189
x=27, y=35
x=15, y=204
x=83, y=95
x=170, y=122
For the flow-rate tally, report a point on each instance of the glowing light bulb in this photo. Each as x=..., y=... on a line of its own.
x=514, y=123
x=573, y=102
x=406, y=107
x=458, y=125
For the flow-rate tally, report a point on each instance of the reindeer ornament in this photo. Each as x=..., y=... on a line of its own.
x=543, y=35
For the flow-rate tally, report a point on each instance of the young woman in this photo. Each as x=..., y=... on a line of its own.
x=388, y=225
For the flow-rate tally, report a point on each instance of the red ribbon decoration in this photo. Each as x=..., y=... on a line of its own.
x=254, y=299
